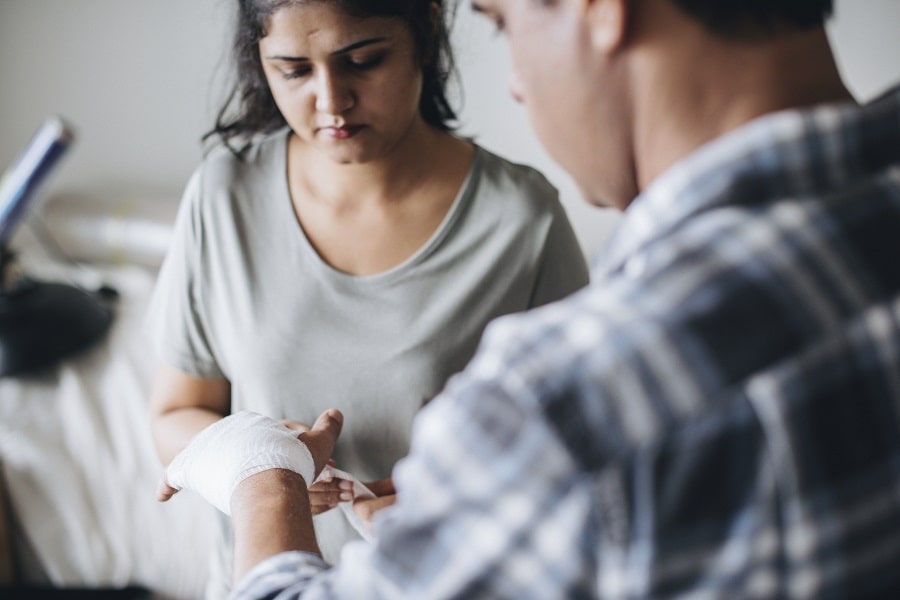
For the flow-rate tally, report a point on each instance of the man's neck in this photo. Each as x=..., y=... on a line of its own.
x=693, y=91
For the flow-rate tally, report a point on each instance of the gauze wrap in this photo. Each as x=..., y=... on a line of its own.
x=225, y=453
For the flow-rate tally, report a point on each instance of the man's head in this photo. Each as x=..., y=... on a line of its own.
x=618, y=90
x=740, y=18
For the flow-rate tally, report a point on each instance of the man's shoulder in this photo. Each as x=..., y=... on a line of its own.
x=596, y=364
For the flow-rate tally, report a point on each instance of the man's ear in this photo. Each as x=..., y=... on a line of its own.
x=608, y=21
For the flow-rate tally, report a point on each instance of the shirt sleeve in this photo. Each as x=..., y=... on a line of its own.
x=490, y=504
x=562, y=268
x=175, y=321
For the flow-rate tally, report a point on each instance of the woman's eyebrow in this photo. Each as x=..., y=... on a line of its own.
x=344, y=50
x=360, y=44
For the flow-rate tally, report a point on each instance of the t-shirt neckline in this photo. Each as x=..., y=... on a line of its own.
x=463, y=197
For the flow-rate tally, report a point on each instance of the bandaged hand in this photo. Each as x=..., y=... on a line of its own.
x=232, y=449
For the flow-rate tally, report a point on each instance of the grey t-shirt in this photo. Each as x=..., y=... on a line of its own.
x=243, y=295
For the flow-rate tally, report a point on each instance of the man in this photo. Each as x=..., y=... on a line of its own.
x=718, y=414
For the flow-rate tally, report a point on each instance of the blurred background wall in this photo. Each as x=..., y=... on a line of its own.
x=141, y=82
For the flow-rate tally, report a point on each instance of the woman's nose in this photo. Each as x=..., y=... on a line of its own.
x=333, y=95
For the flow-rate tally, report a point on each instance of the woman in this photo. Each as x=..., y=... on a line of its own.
x=344, y=249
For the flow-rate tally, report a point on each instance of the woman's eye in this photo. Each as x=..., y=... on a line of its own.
x=366, y=62
x=295, y=73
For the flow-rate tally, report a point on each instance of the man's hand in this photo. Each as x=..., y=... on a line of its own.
x=322, y=437
x=327, y=493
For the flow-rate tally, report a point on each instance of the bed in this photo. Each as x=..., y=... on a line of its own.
x=78, y=466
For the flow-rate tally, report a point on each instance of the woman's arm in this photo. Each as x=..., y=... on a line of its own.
x=181, y=405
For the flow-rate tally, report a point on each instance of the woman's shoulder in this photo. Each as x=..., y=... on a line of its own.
x=224, y=179
x=226, y=164
x=506, y=180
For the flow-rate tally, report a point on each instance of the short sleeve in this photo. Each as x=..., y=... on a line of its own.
x=562, y=267
x=175, y=322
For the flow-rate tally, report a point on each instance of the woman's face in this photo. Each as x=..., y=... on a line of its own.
x=348, y=87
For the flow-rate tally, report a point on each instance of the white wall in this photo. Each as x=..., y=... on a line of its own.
x=137, y=80
x=141, y=81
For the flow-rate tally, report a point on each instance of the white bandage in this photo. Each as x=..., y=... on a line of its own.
x=243, y=444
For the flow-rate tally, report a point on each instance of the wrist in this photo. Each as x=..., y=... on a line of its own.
x=270, y=514
x=232, y=449
x=270, y=487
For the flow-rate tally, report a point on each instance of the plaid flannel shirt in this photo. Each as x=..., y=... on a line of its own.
x=716, y=416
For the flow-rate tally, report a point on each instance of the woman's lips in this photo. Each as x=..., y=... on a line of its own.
x=343, y=132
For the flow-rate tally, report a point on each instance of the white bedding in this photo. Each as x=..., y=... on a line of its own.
x=80, y=466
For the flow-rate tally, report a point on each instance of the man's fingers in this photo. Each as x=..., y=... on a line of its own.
x=320, y=440
x=327, y=494
x=295, y=425
x=331, y=492
x=329, y=423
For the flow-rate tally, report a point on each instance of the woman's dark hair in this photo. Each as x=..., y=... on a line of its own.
x=742, y=18
x=250, y=108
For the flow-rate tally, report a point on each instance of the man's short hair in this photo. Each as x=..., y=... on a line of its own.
x=738, y=18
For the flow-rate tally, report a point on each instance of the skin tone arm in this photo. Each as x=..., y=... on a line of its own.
x=181, y=405
x=270, y=514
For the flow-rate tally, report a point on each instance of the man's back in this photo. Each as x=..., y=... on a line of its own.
x=717, y=415
x=743, y=380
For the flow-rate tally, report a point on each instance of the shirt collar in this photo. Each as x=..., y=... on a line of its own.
x=788, y=153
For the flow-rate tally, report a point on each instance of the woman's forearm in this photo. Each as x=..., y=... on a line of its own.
x=173, y=430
